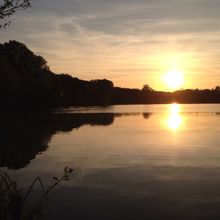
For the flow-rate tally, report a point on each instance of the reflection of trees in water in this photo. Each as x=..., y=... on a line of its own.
x=147, y=115
x=24, y=135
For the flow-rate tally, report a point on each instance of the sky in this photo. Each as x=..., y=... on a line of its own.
x=131, y=42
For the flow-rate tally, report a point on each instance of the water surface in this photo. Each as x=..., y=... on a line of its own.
x=130, y=162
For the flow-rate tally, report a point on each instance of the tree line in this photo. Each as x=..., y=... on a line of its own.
x=26, y=80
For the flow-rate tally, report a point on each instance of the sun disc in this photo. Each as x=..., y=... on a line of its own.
x=174, y=79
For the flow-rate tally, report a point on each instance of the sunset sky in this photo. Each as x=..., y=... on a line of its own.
x=131, y=42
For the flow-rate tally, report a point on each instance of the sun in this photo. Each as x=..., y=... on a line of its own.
x=174, y=79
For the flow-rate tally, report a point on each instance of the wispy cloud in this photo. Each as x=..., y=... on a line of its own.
x=124, y=40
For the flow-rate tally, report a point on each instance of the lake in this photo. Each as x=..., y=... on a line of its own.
x=130, y=162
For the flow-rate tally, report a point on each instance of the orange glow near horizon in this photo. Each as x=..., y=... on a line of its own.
x=174, y=70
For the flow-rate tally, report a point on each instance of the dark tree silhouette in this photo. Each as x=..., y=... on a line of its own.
x=9, y=7
x=26, y=81
x=217, y=88
x=147, y=88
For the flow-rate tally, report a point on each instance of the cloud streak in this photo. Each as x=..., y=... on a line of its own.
x=124, y=40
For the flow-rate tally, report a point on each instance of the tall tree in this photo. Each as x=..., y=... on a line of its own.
x=9, y=7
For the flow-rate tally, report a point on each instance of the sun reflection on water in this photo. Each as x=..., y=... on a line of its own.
x=174, y=120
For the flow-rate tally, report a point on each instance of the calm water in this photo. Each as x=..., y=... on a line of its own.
x=131, y=162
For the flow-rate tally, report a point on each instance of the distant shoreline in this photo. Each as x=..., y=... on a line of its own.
x=27, y=81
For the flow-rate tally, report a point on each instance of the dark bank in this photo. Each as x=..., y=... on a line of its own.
x=26, y=81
